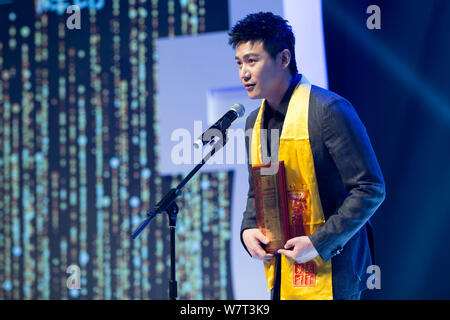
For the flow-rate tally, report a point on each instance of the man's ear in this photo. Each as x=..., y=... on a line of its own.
x=285, y=58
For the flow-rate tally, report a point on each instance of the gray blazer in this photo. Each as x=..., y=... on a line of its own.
x=351, y=188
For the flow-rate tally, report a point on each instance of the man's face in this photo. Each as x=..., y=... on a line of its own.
x=258, y=71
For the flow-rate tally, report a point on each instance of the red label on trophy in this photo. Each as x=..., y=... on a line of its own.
x=298, y=204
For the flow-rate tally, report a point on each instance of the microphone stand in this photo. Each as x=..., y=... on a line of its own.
x=169, y=206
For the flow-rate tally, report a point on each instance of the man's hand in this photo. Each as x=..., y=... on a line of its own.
x=252, y=239
x=302, y=249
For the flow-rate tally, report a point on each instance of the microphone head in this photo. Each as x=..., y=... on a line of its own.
x=239, y=108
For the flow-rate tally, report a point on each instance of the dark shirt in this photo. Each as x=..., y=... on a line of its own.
x=271, y=120
x=274, y=119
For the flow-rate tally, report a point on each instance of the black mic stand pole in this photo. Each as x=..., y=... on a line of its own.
x=169, y=206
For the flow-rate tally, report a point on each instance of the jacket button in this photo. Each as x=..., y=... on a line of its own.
x=336, y=251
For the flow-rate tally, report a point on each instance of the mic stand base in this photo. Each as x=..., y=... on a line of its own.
x=172, y=212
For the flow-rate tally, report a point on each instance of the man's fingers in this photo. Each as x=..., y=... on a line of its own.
x=261, y=254
x=260, y=236
x=289, y=244
x=254, y=240
x=287, y=253
x=267, y=256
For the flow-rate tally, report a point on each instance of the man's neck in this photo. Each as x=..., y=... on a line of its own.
x=275, y=100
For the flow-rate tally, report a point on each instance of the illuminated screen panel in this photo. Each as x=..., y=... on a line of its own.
x=79, y=150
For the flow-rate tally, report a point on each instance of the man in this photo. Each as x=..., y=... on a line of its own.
x=328, y=157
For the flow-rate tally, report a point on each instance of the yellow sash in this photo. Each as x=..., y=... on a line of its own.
x=311, y=280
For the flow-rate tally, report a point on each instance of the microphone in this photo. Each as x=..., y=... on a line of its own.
x=237, y=110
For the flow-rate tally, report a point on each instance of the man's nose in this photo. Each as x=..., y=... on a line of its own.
x=245, y=74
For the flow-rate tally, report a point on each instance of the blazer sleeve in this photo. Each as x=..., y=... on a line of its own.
x=249, y=216
x=347, y=141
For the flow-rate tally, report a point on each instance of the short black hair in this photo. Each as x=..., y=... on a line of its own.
x=275, y=33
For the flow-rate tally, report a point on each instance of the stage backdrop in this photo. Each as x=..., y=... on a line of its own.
x=397, y=79
x=79, y=155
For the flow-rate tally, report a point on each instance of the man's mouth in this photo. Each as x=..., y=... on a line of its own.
x=249, y=86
